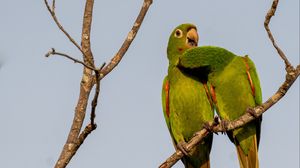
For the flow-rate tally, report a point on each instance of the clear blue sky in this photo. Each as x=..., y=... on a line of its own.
x=38, y=94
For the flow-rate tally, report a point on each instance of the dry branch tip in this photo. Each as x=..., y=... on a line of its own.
x=49, y=53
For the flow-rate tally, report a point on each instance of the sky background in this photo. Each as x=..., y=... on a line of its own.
x=38, y=95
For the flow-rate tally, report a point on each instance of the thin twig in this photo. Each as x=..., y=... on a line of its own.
x=268, y=17
x=52, y=12
x=291, y=75
x=95, y=99
x=53, y=5
x=53, y=52
x=130, y=37
x=83, y=135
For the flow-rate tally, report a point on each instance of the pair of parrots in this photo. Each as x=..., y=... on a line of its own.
x=201, y=80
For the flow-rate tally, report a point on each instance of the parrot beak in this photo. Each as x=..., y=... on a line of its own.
x=192, y=38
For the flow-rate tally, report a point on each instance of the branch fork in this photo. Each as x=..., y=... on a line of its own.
x=75, y=137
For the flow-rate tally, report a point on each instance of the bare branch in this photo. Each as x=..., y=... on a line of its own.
x=130, y=37
x=87, y=82
x=53, y=52
x=291, y=76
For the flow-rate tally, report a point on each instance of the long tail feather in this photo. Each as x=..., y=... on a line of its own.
x=250, y=160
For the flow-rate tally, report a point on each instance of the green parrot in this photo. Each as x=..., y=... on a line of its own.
x=185, y=99
x=234, y=86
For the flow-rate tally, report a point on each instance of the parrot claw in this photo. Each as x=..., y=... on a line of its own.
x=182, y=147
x=252, y=112
x=224, y=124
x=208, y=127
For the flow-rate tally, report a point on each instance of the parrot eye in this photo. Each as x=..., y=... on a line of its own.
x=178, y=33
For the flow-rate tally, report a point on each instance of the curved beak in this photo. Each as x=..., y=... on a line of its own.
x=192, y=38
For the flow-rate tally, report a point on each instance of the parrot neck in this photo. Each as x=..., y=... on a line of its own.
x=173, y=59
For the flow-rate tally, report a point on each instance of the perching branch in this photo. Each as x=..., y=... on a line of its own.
x=75, y=137
x=291, y=75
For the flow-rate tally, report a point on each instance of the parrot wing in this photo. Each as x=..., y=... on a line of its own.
x=211, y=57
x=165, y=101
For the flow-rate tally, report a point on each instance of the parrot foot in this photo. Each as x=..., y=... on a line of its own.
x=252, y=112
x=182, y=147
x=210, y=127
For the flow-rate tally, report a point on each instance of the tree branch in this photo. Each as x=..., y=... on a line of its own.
x=130, y=37
x=291, y=75
x=268, y=17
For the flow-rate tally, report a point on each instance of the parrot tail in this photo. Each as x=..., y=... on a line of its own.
x=204, y=165
x=250, y=160
x=187, y=164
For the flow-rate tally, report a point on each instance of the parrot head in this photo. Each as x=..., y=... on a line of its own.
x=183, y=37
